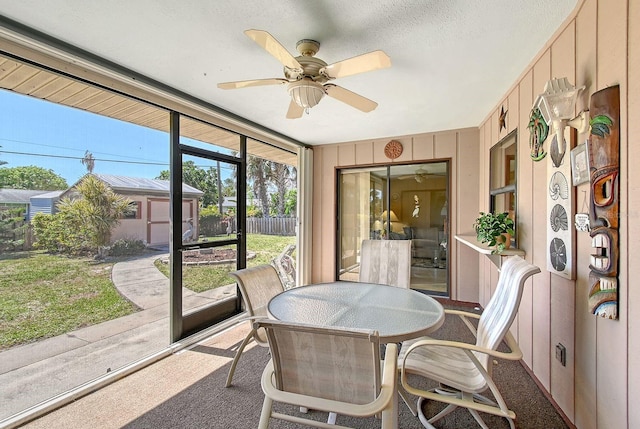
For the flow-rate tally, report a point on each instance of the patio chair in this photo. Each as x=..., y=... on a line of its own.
x=328, y=369
x=464, y=370
x=286, y=266
x=257, y=286
x=386, y=262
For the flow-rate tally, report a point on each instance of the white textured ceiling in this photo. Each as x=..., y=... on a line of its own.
x=452, y=60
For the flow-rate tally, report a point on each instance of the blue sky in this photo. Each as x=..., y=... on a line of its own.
x=35, y=127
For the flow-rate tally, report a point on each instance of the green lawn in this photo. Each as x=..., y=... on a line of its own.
x=206, y=277
x=44, y=295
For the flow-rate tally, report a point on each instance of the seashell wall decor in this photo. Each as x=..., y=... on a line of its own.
x=560, y=236
x=558, y=186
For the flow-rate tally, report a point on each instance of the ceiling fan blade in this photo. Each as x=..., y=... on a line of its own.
x=351, y=98
x=271, y=45
x=247, y=83
x=294, y=111
x=362, y=63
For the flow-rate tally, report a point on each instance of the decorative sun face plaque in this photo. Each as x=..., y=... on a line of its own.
x=393, y=149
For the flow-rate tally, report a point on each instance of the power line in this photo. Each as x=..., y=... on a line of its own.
x=164, y=164
x=81, y=157
x=64, y=148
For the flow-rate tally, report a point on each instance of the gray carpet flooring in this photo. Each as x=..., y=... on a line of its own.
x=187, y=391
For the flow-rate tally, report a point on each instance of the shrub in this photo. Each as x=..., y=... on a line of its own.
x=210, y=225
x=60, y=233
x=127, y=247
x=253, y=211
x=210, y=211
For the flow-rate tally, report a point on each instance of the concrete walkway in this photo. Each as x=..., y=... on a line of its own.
x=38, y=371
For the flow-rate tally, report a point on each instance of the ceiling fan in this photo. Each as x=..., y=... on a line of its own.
x=421, y=174
x=306, y=76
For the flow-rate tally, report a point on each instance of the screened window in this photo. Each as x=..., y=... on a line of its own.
x=134, y=211
x=503, y=174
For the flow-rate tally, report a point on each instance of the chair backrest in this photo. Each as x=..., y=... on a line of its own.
x=386, y=262
x=257, y=286
x=328, y=363
x=497, y=317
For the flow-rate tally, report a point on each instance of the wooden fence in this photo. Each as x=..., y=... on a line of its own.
x=15, y=235
x=272, y=225
x=284, y=226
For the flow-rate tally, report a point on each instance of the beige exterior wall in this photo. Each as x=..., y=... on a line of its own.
x=598, y=46
x=158, y=232
x=459, y=146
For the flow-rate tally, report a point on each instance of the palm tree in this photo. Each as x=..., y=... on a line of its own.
x=88, y=161
x=282, y=175
x=259, y=172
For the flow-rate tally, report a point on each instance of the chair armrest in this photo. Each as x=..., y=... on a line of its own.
x=514, y=354
x=462, y=313
x=389, y=368
x=258, y=334
x=465, y=316
x=254, y=319
x=513, y=346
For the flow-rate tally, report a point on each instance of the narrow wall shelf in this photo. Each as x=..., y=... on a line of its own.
x=472, y=241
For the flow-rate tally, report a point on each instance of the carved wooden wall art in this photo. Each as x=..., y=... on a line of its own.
x=538, y=132
x=393, y=149
x=604, y=165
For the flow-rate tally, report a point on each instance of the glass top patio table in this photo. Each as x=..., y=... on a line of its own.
x=397, y=314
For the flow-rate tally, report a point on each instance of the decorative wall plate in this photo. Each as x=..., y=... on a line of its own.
x=558, y=218
x=393, y=149
x=558, y=186
x=558, y=254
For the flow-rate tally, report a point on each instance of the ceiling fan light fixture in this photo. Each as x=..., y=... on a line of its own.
x=306, y=76
x=306, y=93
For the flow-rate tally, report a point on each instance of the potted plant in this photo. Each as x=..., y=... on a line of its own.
x=495, y=229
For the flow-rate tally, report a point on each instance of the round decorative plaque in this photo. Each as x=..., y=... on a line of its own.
x=393, y=149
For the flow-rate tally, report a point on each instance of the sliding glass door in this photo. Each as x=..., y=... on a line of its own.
x=399, y=202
